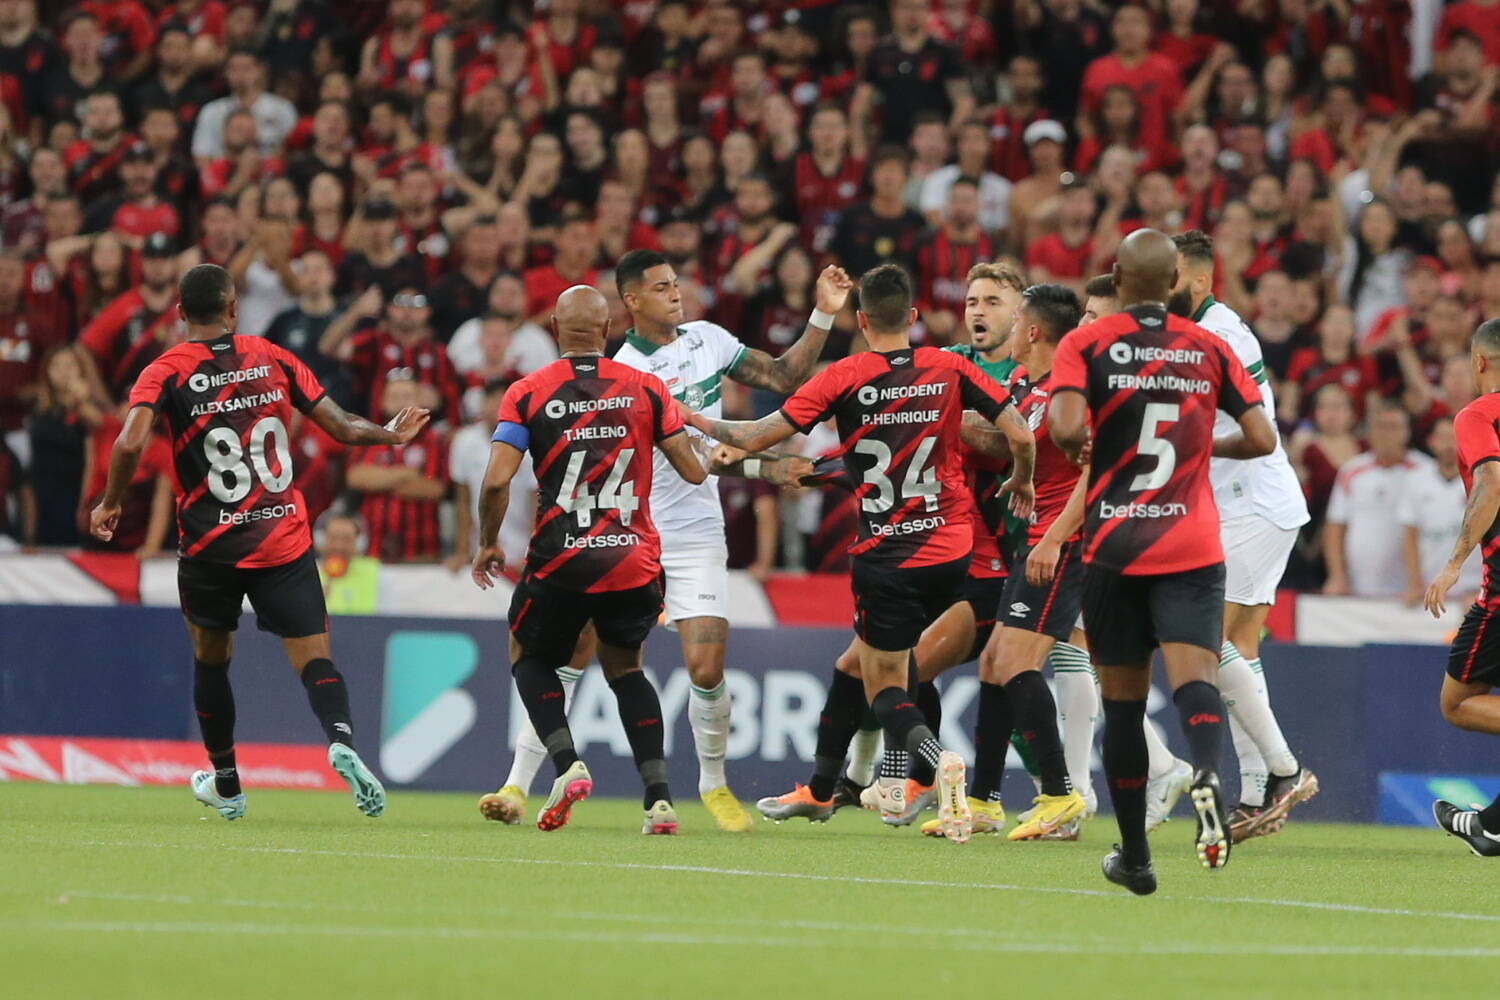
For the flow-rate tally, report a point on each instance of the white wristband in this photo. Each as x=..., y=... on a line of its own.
x=821, y=320
x=752, y=468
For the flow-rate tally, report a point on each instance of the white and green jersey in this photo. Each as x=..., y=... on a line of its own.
x=693, y=366
x=1267, y=486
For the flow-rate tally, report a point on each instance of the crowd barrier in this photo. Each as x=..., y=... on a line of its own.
x=103, y=694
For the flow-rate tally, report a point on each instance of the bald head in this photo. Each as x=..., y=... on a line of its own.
x=580, y=320
x=1145, y=267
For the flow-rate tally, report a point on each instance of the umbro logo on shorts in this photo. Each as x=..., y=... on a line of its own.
x=1019, y=610
x=708, y=597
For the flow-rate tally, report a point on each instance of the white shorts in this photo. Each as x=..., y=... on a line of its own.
x=697, y=581
x=1255, y=556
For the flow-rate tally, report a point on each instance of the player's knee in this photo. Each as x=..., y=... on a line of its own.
x=706, y=671
x=848, y=663
x=1452, y=707
x=989, y=667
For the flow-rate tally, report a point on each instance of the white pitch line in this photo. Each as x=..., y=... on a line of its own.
x=1380, y=911
x=573, y=936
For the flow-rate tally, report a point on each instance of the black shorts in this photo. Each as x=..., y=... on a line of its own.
x=546, y=619
x=1051, y=609
x=892, y=607
x=288, y=599
x=1474, y=657
x=1128, y=617
x=983, y=594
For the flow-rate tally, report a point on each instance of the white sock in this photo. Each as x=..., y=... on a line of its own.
x=530, y=754
x=1243, y=688
x=1161, y=759
x=862, y=754
x=1078, y=708
x=708, y=713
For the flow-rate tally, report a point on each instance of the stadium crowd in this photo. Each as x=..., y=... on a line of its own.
x=402, y=189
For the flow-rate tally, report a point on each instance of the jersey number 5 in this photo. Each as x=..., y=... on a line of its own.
x=920, y=481
x=229, y=476
x=1149, y=444
x=574, y=496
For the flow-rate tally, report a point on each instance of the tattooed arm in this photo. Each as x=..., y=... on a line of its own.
x=746, y=435
x=776, y=468
x=1479, y=515
x=784, y=374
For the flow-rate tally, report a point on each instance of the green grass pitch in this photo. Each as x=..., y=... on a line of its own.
x=116, y=892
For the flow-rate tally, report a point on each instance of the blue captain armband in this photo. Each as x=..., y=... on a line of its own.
x=513, y=434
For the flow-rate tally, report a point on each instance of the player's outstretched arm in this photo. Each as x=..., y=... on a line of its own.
x=494, y=498
x=679, y=451
x=348, y=428
x=747, y=435
x=773, y=467
x=786, y=373
x=1068, y=423
x=1256, y=437
x=1479, y=514
x=123, y=459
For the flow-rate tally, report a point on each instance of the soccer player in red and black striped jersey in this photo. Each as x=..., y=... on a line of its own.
x=243, y=530
x=1474, y=658
x=590, y=425
x=898, y=412
x=1140, y=389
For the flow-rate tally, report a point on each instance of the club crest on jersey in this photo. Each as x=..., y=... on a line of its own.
x=693, y=397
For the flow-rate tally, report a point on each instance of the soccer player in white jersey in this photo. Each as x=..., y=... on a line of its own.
x=1261, y=507
x=693, y=359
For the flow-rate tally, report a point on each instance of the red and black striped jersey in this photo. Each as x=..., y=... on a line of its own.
x=1477, y=428
x=590, y=424
x=228, y=404
x=898, y=415
x=404, y=529
x=821, y=198
x=1054, y=477
x=942, y=264
x=1153, y=382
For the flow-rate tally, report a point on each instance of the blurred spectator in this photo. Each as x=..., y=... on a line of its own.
x=351, y=578
x=752, y=524
x=527, y=346
x=1320, y=448
x=25, y=339
x=882, y=228
x=910, y=72
x=401, y=483
x=1431, y=512
x=69, y=406
x=1008, y=121
x=274, y=116
x=1332, y=362
x=577, y=247
x=1067, y=254
x=1363, y=541
x=300, y=327
x=945, y=258
x=23, y=221
x=973, y=159
x=460, y=294
x=378, y=260
x=146, y=509
x=93, y=161
x=1151, y=77
x=468, y=457
x=138, y=325
x=824, y=181
x=399, y=351
x=1370, y=278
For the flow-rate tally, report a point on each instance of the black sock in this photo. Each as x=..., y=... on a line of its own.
x=1035, y=715
x=1489, y=816
x=905, y=727
x=842, y=711
x=921, y=772
x=329, y=698
x=542, y=694
x=640, y=711
x=213, y=702
x=1202, y=712
x=1126, y=768
x=991, y=742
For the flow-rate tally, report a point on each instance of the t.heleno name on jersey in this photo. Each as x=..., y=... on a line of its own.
x=1268, y=485
x=693, y=367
